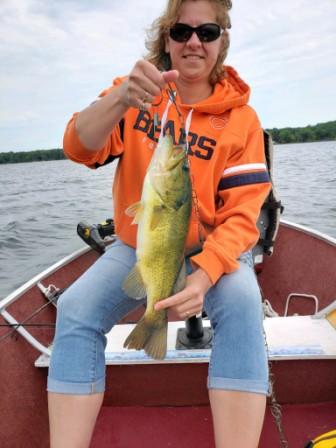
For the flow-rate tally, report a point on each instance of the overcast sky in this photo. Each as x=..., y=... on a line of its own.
x=57, y=55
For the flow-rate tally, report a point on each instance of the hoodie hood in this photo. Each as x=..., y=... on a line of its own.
x=230, y=92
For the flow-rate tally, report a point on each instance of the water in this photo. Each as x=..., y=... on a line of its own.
x=305, y=177
x=42, y=202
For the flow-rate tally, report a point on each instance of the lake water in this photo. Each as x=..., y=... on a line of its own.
x=42, y=202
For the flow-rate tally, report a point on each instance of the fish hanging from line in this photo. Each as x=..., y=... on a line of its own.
x=163, y=216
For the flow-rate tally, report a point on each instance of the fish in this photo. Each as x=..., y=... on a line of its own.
x=162, y=215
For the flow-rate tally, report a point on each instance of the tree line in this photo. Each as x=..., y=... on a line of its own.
x=38, y=155
x=319, y=132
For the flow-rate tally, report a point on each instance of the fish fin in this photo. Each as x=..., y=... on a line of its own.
x=133, y=284
x=182, y=199
x=181, y=279
x=179, y=203
x=135, y=211
x=156, y=216
x=150, y=337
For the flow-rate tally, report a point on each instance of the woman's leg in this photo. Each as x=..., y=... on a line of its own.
x=238, y=370
x=237, y=418
x=86, y=311
x=72, y=419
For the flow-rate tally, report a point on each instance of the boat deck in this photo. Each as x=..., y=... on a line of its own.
x=294, y=337
x=184, y=427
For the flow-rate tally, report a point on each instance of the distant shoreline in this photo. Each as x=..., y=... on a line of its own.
x=319, y=133
x=39, y=155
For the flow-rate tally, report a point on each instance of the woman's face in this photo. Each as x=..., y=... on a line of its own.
x=194, y=59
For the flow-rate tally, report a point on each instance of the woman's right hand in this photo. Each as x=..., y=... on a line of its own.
x=144, y=83
x=95, y=123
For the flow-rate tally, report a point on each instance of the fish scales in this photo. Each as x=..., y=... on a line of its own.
x=163, y=216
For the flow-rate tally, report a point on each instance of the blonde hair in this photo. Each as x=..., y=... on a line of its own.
x=156, y=36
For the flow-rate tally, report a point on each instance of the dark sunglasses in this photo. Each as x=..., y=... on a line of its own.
x=208, y=32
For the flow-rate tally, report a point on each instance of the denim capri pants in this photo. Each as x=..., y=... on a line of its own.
x=90, y=307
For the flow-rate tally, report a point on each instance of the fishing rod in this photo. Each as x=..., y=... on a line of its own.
x=51, y=300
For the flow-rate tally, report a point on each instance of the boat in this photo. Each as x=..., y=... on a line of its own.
x=165, y=403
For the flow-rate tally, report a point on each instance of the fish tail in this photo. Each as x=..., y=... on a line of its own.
x=150, y=337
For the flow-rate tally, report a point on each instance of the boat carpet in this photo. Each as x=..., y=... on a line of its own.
x=185, y=427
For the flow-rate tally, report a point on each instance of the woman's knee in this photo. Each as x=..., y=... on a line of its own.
x=70, y=307
x=236, y=295
x=83, y=303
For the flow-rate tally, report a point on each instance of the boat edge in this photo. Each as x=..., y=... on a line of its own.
x=309, y=231
x=17, y=293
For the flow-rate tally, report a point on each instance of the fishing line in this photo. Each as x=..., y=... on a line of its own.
x=193, y=189
x=185, y=125
x=24, y=323
x=172, y=97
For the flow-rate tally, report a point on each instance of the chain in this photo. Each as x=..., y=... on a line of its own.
x=196, y=208
x=172, y=96
x=275, y=406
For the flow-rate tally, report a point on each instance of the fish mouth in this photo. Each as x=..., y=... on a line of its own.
x=178, y=154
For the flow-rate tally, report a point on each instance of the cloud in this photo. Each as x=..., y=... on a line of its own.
x=286, y=50
x=57, y=56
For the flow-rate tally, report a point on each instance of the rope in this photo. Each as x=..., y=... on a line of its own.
x=268, y=309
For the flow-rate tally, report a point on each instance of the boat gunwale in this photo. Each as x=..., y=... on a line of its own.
x=17, y=293
x=21, y=290
x=310, y=231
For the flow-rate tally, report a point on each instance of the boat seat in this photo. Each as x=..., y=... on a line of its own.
x=293, y=337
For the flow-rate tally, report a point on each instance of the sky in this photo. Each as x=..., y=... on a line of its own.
x=57, y=55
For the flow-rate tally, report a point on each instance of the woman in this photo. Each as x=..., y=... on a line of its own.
x=187, y=49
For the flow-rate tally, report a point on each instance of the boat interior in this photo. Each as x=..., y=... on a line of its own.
x=158, y=402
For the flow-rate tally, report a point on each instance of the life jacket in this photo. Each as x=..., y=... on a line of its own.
x=269, y=218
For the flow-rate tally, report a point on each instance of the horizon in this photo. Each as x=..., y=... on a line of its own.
x=266, y=129
x=60, y=56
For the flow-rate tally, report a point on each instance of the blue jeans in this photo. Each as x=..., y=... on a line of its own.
x=90, y=307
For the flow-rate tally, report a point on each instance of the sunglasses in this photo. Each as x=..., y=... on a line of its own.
x=208, y=32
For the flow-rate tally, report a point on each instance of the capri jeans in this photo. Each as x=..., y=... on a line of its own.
x=95, y=302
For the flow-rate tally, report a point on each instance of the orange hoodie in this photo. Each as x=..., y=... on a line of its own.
x=227, y=164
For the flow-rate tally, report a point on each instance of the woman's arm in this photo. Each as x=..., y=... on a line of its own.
x=96, y=122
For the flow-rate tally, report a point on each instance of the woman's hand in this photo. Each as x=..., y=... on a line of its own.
x=189, y=301
x=144, y=83
x=95, y=123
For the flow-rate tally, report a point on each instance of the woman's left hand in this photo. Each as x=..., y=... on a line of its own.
x=189, y=301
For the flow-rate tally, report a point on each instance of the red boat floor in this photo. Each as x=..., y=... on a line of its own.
x=186, y=427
